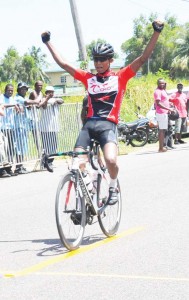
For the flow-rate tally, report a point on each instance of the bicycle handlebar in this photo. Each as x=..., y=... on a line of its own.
x=45, y=157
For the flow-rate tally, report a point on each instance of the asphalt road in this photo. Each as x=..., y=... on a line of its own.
x=147, y=260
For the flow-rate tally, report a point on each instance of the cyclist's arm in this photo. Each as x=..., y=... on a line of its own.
x=138, y=62
x=59, y=60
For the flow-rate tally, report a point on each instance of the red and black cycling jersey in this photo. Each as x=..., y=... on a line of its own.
x=105, y=92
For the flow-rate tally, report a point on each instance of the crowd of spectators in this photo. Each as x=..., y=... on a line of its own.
x=18, y=117
x=169, y=107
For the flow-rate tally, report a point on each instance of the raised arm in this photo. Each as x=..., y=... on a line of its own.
x=57, y=57
x=139, y=61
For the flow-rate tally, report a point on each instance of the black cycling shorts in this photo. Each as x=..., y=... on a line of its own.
x=101, y=130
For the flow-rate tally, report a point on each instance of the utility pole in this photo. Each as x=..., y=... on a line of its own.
x=80, y=41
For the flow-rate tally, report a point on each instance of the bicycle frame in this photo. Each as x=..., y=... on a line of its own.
x=77, y=203
x=78, y=177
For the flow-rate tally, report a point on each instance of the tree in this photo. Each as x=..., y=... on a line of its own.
x=10, y=65
x=28, y=70
x=40, y=62
x=28, y=67
x=180, y=63
x=164, y=51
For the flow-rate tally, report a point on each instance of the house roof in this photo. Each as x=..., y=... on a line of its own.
x=52, y=68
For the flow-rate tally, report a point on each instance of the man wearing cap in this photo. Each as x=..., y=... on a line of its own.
x=179, y=99
x=22, y=123
x=49, y=123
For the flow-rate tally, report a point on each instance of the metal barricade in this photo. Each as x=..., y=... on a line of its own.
x=25, y=135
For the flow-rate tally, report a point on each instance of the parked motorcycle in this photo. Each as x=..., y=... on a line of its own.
x=152, y=126
x=133, y=133
x=153, y=131
x=139, y=132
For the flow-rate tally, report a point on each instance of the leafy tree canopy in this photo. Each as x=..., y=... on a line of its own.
x=172, y=49
x=28, y=67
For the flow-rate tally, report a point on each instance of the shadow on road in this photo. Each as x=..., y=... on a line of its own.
x=52, y=247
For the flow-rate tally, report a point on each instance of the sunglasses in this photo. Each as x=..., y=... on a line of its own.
x=101, y=59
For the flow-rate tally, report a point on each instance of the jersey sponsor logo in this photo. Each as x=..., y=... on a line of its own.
x=96, y=87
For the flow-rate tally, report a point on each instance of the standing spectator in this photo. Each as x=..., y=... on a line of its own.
x=7, y=125
x=179, y=100
x=22, y=123
x=187, y=97
x=49, y=123
x=162, y=108
x=36, y=94
x=3, y=172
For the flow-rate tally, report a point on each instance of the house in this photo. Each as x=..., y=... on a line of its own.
x=65, y=84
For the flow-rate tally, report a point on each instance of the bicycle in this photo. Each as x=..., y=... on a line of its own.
x=76, y=205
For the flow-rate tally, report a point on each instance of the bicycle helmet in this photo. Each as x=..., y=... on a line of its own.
x=103, y=50
x=173, y=115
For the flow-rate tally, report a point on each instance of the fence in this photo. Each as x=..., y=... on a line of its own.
x=24, y=135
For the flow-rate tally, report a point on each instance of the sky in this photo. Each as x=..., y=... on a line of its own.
x=23, y=21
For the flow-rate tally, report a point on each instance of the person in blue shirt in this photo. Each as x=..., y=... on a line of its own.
x=7, y=127
x=22, y=125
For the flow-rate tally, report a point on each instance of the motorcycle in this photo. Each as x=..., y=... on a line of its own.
x=153, y=131
x=152, y=126
x=133, y=133
x=138, y=133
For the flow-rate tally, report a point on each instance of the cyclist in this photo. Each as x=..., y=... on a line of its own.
x=105, y=94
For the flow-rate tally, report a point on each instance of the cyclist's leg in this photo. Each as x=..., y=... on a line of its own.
x=110, y=156
x=82, y=142
x=108, y=142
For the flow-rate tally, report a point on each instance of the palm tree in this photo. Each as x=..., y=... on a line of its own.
x=40, y=62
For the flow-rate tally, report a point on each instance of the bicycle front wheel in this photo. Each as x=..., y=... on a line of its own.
x=109, y=219
x=70, y=213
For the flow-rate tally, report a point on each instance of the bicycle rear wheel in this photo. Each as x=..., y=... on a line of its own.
x=70, y=213
x=110, y=217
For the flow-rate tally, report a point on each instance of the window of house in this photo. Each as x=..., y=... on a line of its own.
x=63, y=79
